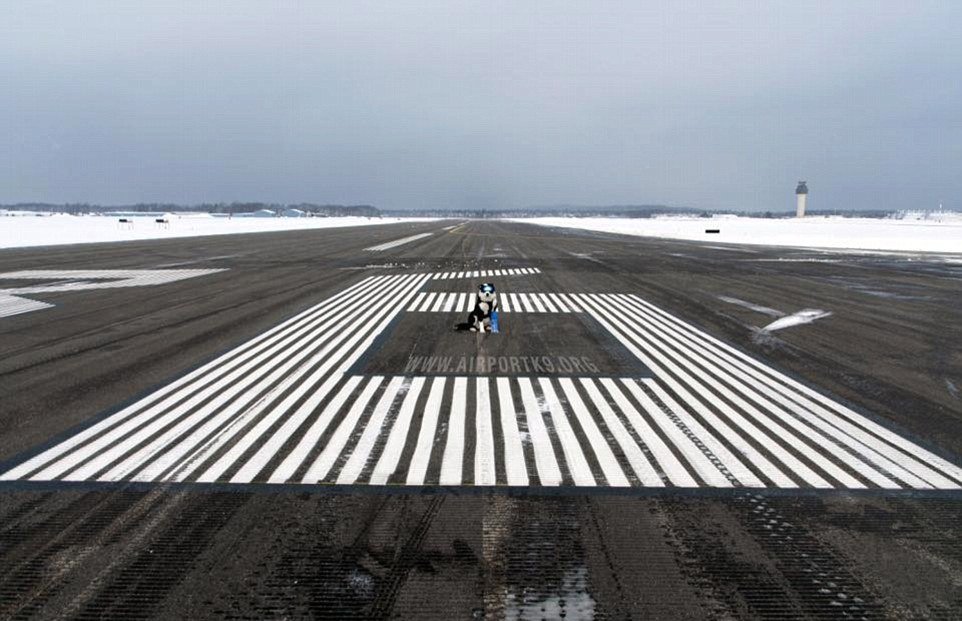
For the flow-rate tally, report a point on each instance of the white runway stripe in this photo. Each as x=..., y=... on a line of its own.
x=310, y=439
x=426, y=438
x=708, y=388
x=674, y=470
x=590, y=418
x=574, y=457
x=639, y=464
x=165, y=396
x=330, y=357
x=701, y=356
x=228, y=414
x=451, y=465
x=606, y=459
x=735, y=466
x=282, y=408
x=515, y=468
x=387, y=464
x=13, y=305
x=559, y=301
x=375, y=426
x=449, y=302
x=488, y=273
x=706, y=443
x=871, y=448
x=83, y=280
x=853, y=450
x=339, y=346
x=397, y=242
x=484, y=473
x=637, y=334
x=173, y=405
x=547, y=464
x=352, y=350
x=548, y=303
x=872, y=434
x=435, y=302
x=332, y=450
x=417, y=302
x=428, y=301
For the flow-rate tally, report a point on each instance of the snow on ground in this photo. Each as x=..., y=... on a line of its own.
x=20, y=232
x=943, y=235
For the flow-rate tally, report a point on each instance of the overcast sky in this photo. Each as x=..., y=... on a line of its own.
x=483, y=104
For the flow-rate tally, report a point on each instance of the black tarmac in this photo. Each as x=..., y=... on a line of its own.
x=891, y=350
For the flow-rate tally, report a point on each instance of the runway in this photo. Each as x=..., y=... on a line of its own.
x=325, y=363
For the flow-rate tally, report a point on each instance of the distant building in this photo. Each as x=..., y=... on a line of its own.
x=293, y=213
x=801, y=197
x=260, y=213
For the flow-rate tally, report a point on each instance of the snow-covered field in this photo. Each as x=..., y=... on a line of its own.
x=23, y=231
x=811, y=232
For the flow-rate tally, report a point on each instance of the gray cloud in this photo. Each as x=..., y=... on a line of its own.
x=483, y=104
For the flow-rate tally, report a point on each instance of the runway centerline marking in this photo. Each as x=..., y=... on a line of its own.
x=397, y=242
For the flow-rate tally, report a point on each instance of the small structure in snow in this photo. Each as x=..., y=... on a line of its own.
x=291, y=212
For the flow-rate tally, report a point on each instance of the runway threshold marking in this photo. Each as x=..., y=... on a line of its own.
x=445, y=302
x=283, y=408
x=517, y=271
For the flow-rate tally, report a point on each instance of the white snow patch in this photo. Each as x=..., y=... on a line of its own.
x=811, y=232
x=62, y=229
x=796, y=319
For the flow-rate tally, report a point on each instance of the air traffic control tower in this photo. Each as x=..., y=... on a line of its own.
x=801, y=197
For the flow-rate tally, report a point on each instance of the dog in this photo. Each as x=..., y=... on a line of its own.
x=485, y=304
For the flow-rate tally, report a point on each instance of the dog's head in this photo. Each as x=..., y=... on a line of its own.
x=486, y=292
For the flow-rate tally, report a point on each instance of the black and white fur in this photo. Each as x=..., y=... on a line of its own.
x=485, y=303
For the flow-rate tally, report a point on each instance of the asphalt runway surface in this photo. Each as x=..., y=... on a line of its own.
x=286, y=425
